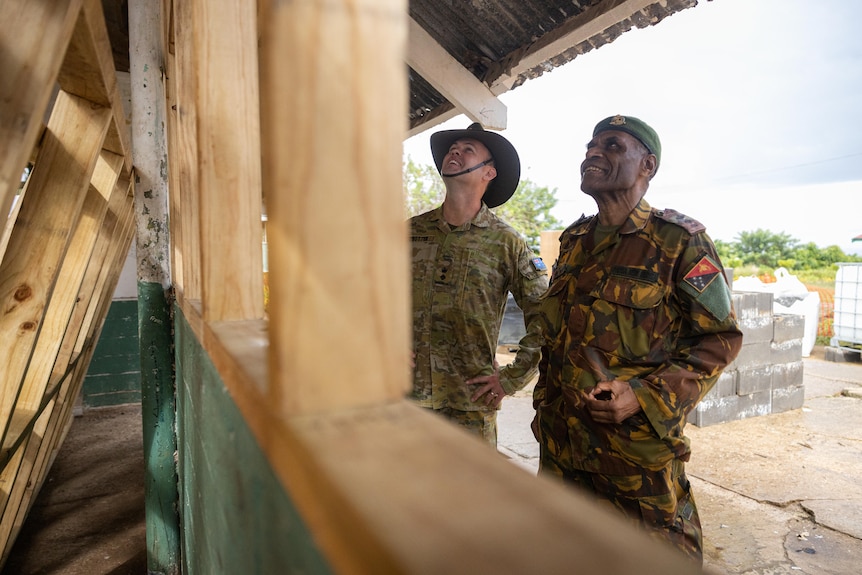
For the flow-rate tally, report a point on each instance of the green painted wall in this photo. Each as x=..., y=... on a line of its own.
x=114, y=374
x=235, y=516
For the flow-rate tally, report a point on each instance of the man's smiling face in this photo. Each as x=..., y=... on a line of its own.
x=614, y=162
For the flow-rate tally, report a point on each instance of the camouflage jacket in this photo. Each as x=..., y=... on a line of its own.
x=461, y=281
x=649, y=305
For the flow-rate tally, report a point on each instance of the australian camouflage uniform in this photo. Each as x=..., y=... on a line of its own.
x=461, y=280
x=645, y=303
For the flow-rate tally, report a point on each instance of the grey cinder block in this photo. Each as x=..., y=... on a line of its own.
x=787, y=327
x=754, y=404
x=787, y=375
x=753, y=379
x=754, y=315
x=786, y=351
x=752, y=355
x=716, y=410
x=787, y=398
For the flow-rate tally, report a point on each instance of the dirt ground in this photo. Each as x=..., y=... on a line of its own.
x=88, y=519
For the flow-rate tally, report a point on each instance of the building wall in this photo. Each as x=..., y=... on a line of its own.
x=235, y=516
x=114, y=375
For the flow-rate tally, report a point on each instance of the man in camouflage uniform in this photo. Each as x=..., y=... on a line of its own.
x=465, y=262
x=638, y=325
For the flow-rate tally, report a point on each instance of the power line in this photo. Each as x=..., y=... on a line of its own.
x=793, y=167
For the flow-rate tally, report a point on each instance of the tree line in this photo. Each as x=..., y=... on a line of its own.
x=770, y=250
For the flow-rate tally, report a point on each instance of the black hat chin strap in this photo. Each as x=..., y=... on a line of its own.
x=468, y=170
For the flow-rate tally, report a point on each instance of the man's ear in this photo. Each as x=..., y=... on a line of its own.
x=650, y=164
x=491, y=173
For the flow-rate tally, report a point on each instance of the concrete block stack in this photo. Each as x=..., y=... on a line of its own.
x=766, y=376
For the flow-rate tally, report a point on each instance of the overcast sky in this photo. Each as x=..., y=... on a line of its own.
x=757, y=104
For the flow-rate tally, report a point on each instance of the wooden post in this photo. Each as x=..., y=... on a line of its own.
x=228, y=143
x=158, y=399
x=334, y=95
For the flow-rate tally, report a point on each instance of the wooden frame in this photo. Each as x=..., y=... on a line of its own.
x=383, y=485
x=65, y=242
x=332, y=360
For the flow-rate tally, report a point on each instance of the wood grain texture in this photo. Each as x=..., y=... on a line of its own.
x=228, y=140
x=30, y=64
x=88, y=72
x=333, y=94
x=32, y=413
x=385, y=488
x=181, y=90
x=48, y=215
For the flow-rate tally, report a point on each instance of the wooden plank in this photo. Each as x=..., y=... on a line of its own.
x=228, y=120
x=118, y=205
x=338, y=260
x=108, y=274
x=361, y=480
x=54, y=326
x=72, y=271
x=30, y=63
x=182, y=134
x=57, y=417
x=41, y=235
x=88, y=72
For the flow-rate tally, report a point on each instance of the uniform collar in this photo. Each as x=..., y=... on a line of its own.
x=482, y=219
x=635, y=221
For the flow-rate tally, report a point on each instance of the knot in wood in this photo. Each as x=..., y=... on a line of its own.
x=23, y=292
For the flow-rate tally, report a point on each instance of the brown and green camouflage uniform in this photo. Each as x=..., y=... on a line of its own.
x=648, y=304
x=461, y=280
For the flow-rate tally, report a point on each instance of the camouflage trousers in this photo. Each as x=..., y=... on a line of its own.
x=659, y=501
x=482, y=424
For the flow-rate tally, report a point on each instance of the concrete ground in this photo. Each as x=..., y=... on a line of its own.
x=778, y=494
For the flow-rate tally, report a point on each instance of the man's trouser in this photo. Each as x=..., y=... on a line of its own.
x=661, y=500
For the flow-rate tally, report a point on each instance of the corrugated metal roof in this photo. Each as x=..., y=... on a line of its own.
x=491, y=37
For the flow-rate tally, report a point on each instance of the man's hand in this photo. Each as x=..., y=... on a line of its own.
x=611, y=402
x=489, y=389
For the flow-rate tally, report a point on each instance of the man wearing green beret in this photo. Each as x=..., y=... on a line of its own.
x=638, y=325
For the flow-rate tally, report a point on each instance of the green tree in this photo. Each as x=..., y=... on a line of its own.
x=423, y=188
x=529, y=210
x=728, y=253
x=765, y=248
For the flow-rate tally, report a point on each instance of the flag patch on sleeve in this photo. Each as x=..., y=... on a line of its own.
x=702, y=274
x=539, y=265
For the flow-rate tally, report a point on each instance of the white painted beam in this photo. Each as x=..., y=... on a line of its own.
x=457, y=84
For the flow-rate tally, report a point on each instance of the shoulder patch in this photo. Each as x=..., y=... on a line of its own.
x=704, y=283
x=702, y=274
x=690, y=225
x=539, y=265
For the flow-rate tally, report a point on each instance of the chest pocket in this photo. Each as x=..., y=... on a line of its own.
x=424, y=254
x=481, y=284
x=629, y=308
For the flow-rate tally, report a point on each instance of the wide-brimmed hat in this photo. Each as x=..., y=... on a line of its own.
x=506, y=160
